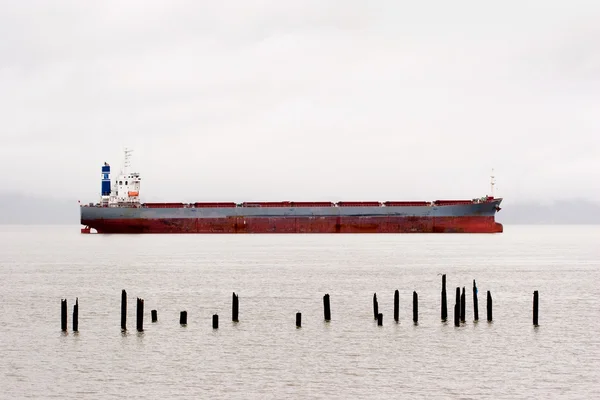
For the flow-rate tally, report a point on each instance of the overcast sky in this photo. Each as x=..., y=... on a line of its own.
x=281, y=100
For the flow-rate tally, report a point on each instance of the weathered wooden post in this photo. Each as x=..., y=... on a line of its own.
x=183, y=318
x=456, y=315
x=154, y=315
x=415, y=307
x=444, y=300
x=76, y=315
x=475, y=302
x=463, y=301
x=375, y=306
x=140, y=315
x=380, y=319
x=123, y=310
x=535, y=307
x=298, y=320
x=396, y=305
x=326, y=307
x=215, y=321
x=63, y=315
x=457, y=308
x=234, y=307
x=489, y=306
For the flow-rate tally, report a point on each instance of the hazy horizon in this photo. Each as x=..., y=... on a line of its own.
x=313, y=101
x=22, y=209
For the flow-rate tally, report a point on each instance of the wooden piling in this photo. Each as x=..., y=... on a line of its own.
x=154, y=315
x=457, y=308
x=140, y=315
x=326, y=307
x=183, y=318
x=396, y=305
x=63, y=315
x=456, y=314
x=489, y=306
x=215, y=321
x=76, y=315
x=298, y=320
x=380, y=319
x=475, y=302
x=444, y=300
x=415, y=307
x=235, y=307
x=535, y=307
x=463, y=301
x=123, y=310
x=375, y=306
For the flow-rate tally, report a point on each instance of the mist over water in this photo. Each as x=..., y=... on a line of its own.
x=264, y=355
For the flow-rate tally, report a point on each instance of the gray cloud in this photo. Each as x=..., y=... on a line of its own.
x=241, y=100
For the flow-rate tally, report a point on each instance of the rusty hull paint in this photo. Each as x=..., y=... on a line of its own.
x=316, y=224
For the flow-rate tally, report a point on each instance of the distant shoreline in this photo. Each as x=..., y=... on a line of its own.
x=18, y=209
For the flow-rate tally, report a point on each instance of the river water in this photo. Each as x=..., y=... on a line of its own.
x=264, y=355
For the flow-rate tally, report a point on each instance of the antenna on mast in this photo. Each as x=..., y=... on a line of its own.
x=127, y=162
x=492, y=182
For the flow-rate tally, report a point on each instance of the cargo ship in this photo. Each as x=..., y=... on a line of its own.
x=121, y=211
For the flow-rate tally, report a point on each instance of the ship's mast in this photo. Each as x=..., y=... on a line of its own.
x=492, y=182
x=127, y=162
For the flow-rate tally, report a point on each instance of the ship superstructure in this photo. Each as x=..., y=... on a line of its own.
x=125, y=191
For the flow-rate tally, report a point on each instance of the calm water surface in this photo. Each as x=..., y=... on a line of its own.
x=264, y=355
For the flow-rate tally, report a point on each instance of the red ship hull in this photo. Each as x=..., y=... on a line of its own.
x=346, y=224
